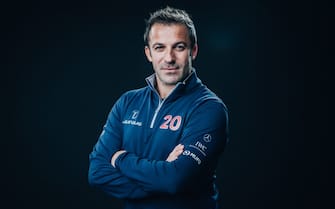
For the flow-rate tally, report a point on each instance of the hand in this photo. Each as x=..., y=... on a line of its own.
x=115, y=156
x=175, y=153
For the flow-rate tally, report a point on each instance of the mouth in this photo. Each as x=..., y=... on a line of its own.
x=170, y=68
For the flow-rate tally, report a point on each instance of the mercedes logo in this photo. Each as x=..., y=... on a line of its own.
x=207, y=138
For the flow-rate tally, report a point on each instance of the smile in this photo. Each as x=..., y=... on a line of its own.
x=170, y=68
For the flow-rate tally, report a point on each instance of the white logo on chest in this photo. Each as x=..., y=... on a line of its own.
x=133, y=121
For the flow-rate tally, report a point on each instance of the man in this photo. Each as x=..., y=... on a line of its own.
x=161, y=144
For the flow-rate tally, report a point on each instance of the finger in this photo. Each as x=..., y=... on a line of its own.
x=178, y=150
x=179, y=147
x=175, y=152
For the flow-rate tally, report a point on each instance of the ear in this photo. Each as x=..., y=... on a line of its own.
x=148, y=53
x=194, y=51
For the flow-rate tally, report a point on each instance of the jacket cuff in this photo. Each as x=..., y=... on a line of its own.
x=119, y=158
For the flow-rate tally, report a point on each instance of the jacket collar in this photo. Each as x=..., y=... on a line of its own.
x=188, y=83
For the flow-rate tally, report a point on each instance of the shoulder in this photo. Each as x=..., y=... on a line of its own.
x=129, y=97
x=206, y=106
x=205, y=98
x=134, y=93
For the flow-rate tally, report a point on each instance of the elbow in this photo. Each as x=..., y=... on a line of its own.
x=174, y=182
x=167, y=185
x=91, y=181
x=95, y=177
x=171, y=189
x=95, y=174
x=92, y=178
x=174, y=185
x=181, y=181
x=175, y=189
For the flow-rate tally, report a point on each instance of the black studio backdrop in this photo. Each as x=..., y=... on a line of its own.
x=66, y=63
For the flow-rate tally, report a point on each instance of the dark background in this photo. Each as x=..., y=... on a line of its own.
x=66, y=63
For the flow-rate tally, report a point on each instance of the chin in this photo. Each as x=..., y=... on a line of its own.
x=175, y=80
x=171, y=82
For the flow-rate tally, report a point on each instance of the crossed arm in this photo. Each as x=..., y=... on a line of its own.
x=122, y=174
x=106, y=177
x=111, y=180
x=172, y=156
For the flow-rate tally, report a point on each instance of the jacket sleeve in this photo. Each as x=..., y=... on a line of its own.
x=204, y=138
x=101, y=173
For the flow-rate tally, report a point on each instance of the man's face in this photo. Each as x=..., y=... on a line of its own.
x=170, y=53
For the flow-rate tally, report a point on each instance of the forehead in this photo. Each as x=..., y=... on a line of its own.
x=168, y=33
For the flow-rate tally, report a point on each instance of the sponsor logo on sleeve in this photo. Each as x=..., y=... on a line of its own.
x=200, y=147
x=207, y=138
x=192, y=155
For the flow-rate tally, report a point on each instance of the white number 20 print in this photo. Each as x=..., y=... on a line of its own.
x=172, y=123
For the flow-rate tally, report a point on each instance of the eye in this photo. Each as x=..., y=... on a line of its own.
x=158, y=48
x=180, y=47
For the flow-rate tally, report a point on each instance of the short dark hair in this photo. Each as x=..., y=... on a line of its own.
x=168, y=16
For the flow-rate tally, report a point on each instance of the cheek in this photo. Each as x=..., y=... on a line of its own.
x=157, y=59
x=184, y=58
x=155, y=63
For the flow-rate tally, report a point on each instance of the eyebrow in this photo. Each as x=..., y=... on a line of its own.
x=175, y=44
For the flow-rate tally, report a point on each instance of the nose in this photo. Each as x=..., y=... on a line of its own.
x=169, y=56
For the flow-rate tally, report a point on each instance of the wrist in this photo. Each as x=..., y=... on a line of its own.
x=115, y=157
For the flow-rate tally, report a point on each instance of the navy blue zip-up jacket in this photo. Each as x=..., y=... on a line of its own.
x=149, y=128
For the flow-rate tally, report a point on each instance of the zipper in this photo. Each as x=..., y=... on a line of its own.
x=156, y=112
x=161, y=101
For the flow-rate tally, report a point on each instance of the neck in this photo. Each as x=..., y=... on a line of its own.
x=164, y=90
